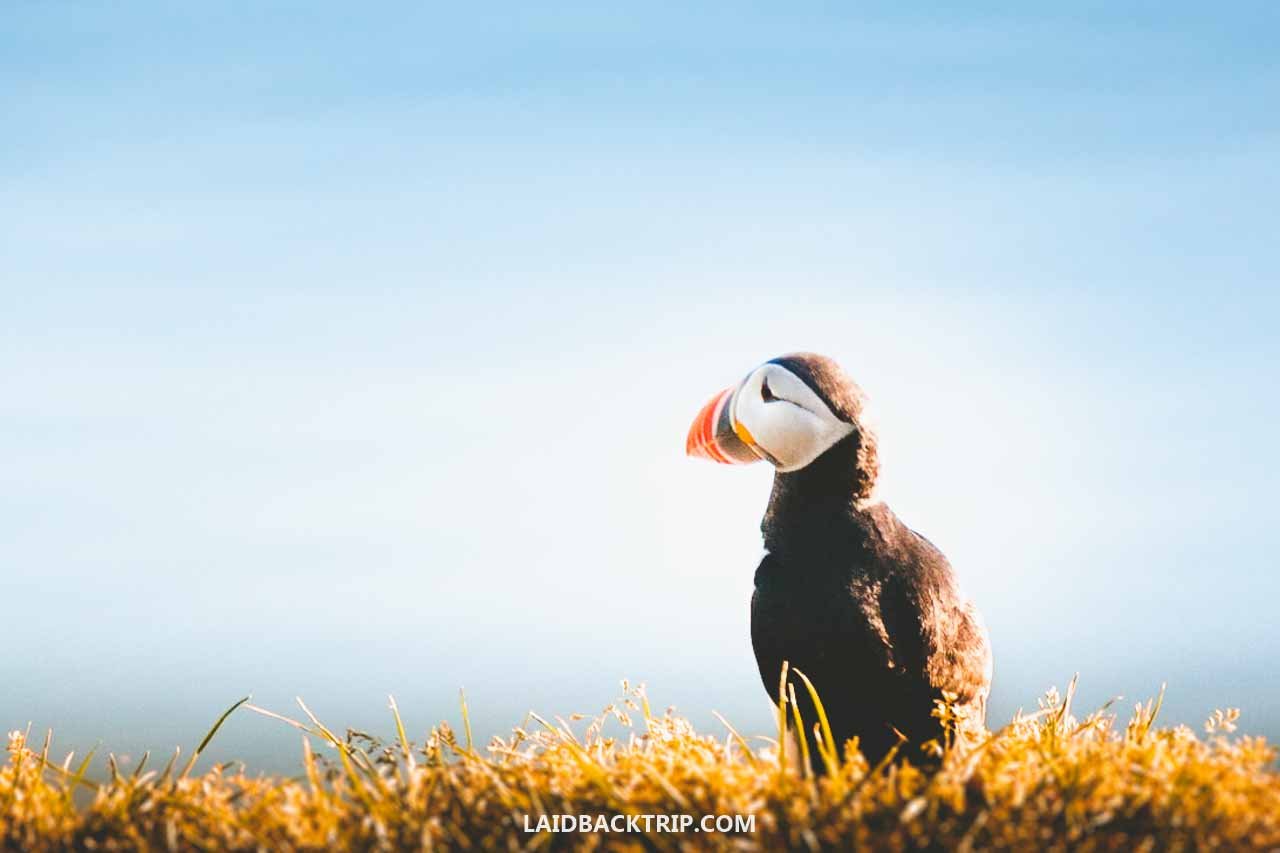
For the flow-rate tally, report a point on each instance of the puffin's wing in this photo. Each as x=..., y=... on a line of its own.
x=962, y=663
x=935, y=632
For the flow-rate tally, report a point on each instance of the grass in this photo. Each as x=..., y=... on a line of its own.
x=1047, y=780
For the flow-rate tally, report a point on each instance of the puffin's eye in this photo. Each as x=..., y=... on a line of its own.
x=766, y=393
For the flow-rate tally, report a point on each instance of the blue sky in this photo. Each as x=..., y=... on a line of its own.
x=347, y=352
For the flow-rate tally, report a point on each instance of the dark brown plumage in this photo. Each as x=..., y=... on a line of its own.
x=866, y=607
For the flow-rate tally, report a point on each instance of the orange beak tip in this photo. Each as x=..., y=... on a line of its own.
x=713, y=434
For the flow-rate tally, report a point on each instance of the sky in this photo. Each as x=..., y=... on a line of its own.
x=350, y=352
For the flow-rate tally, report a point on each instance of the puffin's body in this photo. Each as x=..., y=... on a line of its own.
x=846, y=593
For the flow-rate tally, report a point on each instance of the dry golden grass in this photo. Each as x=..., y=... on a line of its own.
x=1045, y=781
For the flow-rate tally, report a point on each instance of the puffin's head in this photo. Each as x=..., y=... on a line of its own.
x=789, y=411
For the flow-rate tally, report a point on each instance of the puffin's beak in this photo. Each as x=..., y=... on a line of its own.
x=715, y=436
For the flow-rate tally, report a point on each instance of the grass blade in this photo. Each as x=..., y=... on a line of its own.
x=742, y=742
x=782, y=718
x=404, y=739
x=466, y=720
x=830, y=755
x=806, y=767
x=208, y=737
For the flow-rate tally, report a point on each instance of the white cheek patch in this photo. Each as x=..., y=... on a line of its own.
x=795, y=428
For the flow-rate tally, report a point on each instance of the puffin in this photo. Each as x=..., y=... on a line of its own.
x=868, y=609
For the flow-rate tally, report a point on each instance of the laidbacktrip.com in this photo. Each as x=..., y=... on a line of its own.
x=645, y=823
